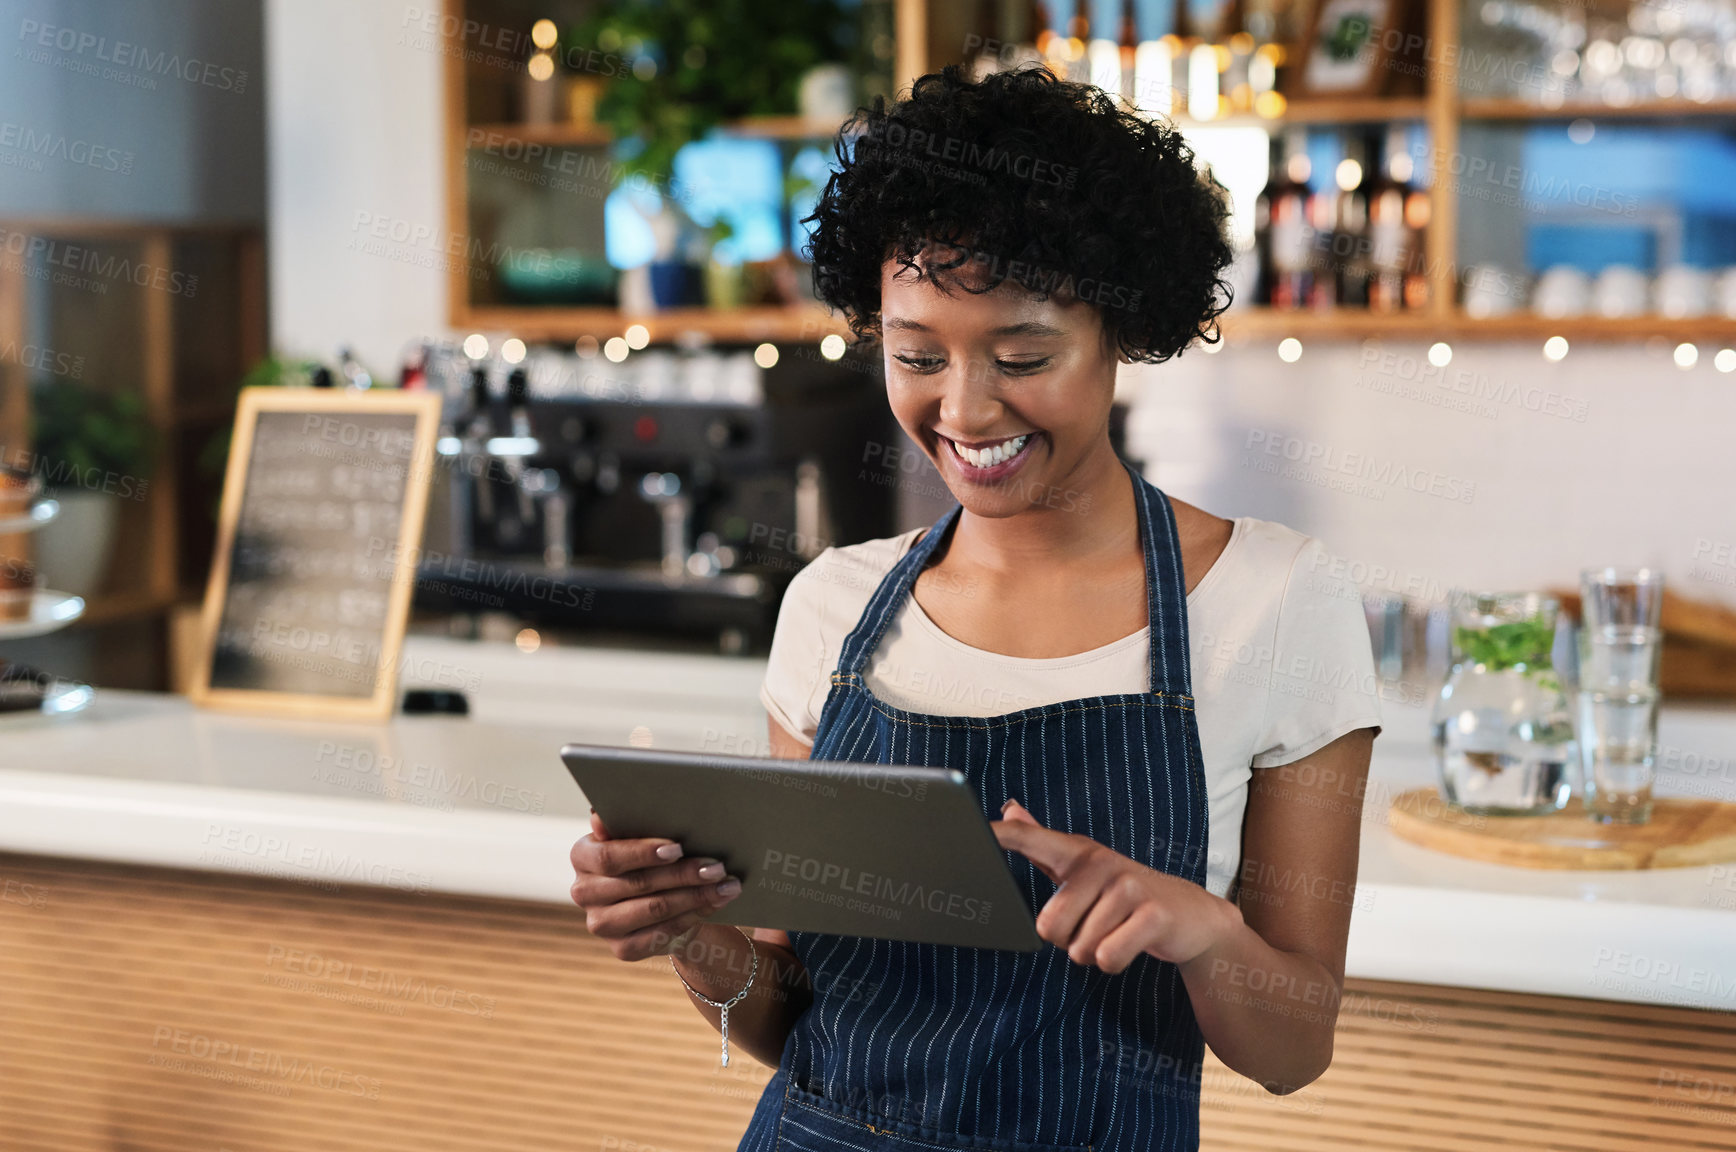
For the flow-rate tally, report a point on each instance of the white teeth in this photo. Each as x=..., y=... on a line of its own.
x=989, y=457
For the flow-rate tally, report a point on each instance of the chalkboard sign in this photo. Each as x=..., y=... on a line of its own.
x=317, y=541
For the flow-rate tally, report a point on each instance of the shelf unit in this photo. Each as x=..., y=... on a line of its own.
x=49, y=611
x=182, y=350
x=1442, y=109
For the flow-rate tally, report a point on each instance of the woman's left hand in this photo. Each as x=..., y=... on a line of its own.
x=1110, y=908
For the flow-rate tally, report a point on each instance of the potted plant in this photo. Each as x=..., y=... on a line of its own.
x=689, y=66
x=94, y=448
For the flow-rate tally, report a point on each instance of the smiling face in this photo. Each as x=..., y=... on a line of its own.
x=1008, y=395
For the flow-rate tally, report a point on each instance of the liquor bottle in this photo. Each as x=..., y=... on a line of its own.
x=1154, y=56
x=1352, y=267
x=1103, y=49
x=1263, y=277
x=1417, y=206
x=1063, y=41
x=1289, y=232
x=1391, y=240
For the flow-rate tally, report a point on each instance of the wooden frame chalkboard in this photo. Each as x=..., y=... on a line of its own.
x=320, y=528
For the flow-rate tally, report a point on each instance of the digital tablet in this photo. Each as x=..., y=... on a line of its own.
x=822, y=846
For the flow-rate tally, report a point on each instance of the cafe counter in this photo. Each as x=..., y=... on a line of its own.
x=266, y=933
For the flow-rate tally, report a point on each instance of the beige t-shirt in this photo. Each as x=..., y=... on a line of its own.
x=1281, y=658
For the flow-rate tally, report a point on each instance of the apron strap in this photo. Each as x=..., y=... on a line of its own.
x=889, y=598
x=1165, y=590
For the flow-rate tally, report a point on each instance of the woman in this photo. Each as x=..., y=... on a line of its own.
x=1172, y=713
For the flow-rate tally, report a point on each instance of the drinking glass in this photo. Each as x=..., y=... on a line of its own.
x=1620, y=641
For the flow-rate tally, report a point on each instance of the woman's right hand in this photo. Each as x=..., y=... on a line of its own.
x=640, y=895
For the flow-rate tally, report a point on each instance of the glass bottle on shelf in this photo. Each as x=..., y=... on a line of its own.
x=1417, y=207
x=1062, y=41
x=1352, y=267
x=1262, y=291
x=1322, y=219
x=1390, y=238
x=1289, y=232
x=1103, y=47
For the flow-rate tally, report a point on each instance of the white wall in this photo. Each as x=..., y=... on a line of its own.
x=1612, y=456
x=353, y=107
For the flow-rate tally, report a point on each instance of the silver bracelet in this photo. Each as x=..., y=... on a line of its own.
x=723, y=1006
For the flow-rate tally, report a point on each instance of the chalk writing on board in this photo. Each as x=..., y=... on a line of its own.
x=306, y=608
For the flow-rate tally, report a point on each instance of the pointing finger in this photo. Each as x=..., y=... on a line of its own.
x=1051, y=851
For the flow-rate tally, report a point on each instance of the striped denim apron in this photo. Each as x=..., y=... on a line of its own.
x=918, y=1047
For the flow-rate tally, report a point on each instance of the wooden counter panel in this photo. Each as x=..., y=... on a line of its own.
x=150, y=1009
x=361, y=1019
x=1419, y=1067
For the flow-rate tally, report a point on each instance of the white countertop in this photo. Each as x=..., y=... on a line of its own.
x=481, y=805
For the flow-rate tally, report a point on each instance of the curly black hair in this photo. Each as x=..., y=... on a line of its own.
x=1049, y=183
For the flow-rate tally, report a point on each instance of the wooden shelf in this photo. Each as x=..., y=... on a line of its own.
x=809, y=325
x=1629, y=329
x=728, y=325
x=560, y=135
x=1647, y=110
x=1338, y=324
x=597, y=136
x=783, y=128
x=1443, y=108
x=1356, y=111
x=1249, y=324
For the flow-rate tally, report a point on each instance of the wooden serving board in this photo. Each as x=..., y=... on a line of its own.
x=1681, y=834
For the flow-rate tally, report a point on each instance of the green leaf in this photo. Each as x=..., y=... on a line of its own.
x=94, y=431
x=1516, y=644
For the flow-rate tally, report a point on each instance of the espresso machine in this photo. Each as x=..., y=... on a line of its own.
x=671, y=493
